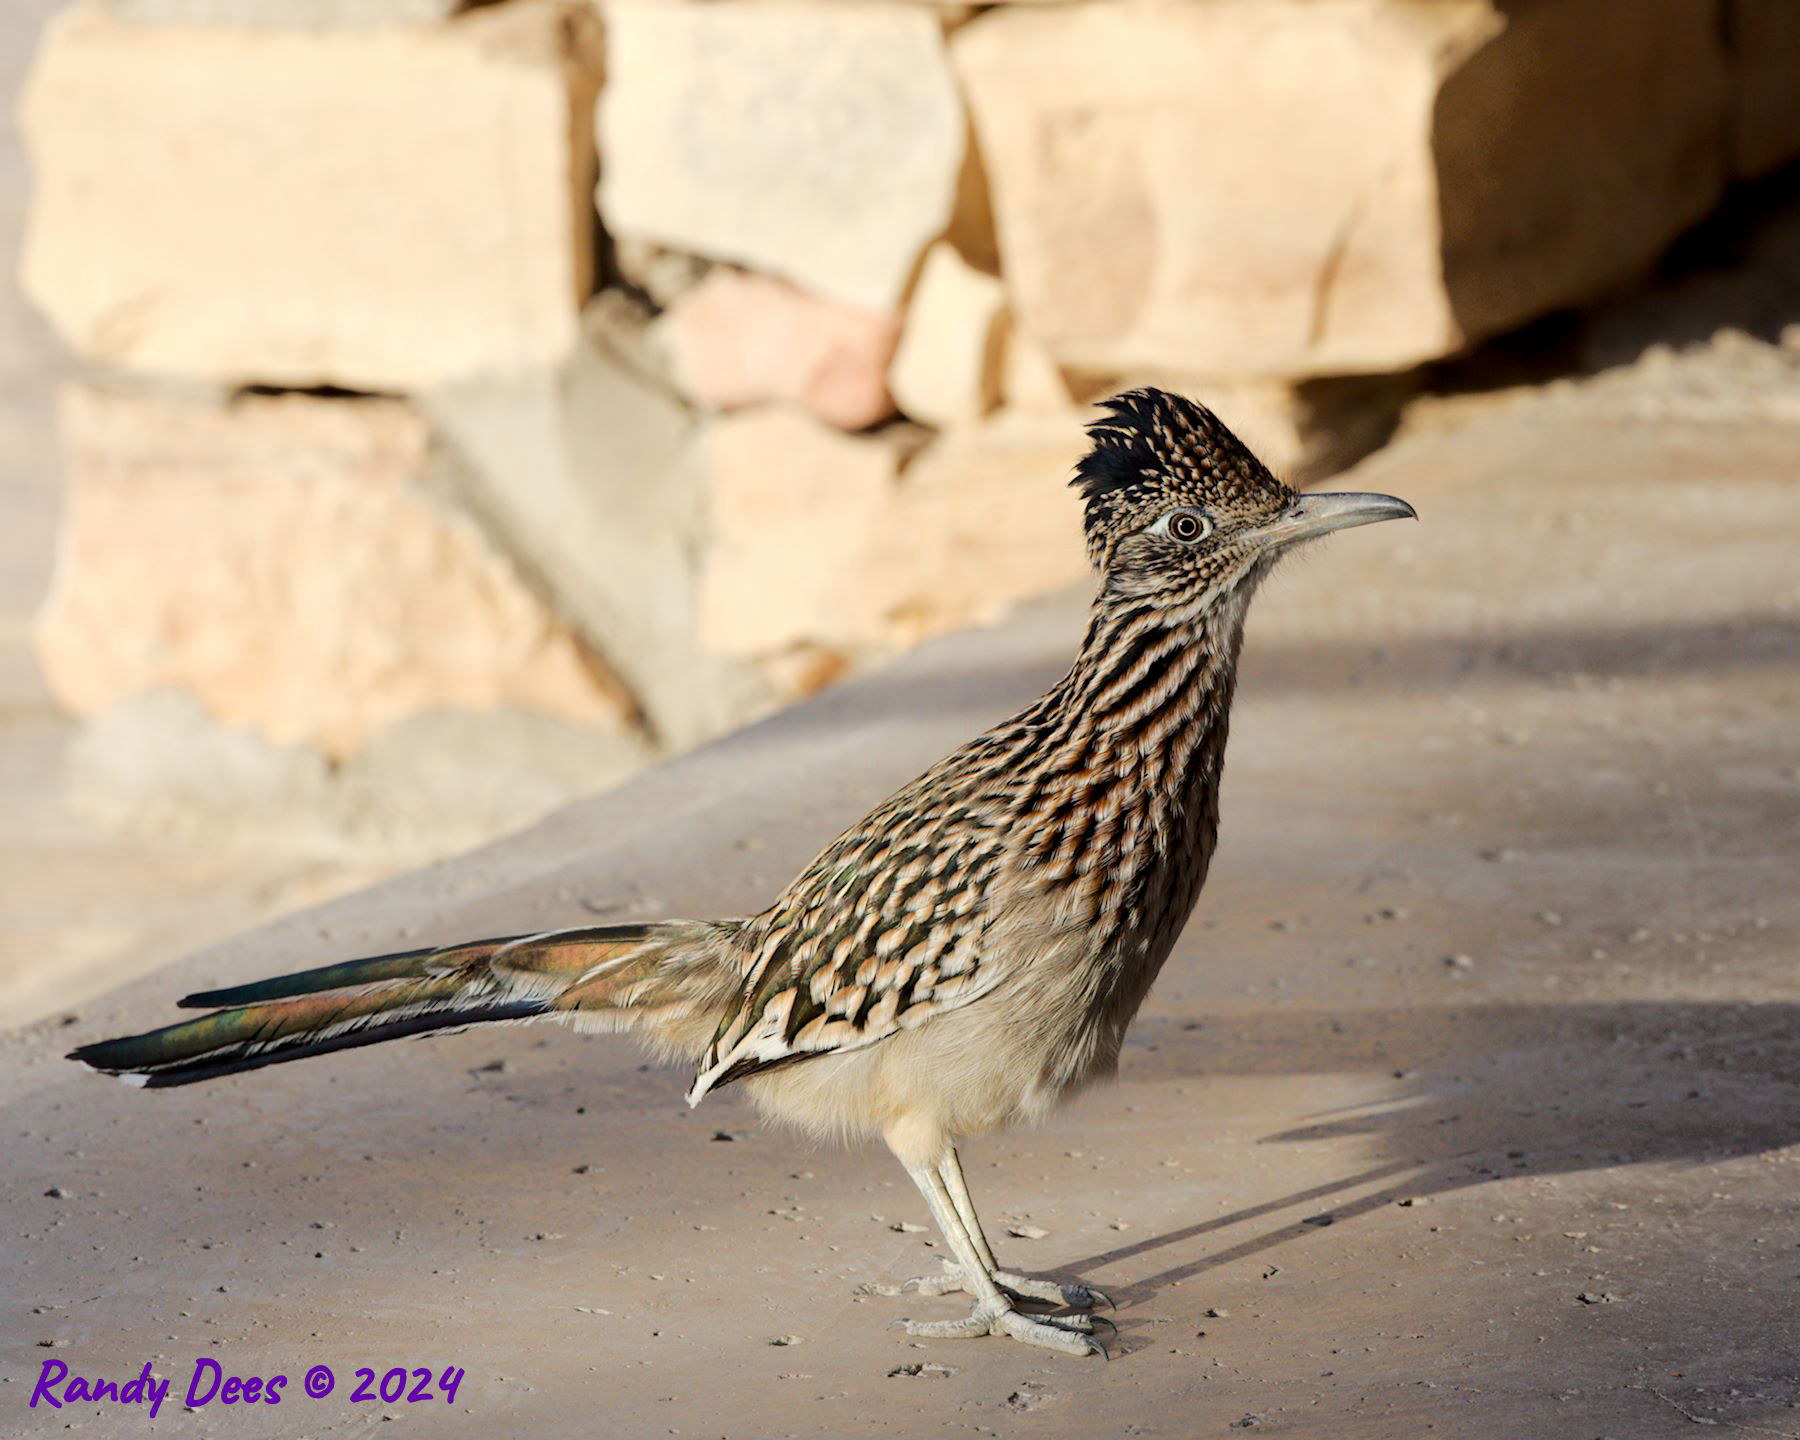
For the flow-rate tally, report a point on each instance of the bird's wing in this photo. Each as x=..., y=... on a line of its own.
x=884, y=930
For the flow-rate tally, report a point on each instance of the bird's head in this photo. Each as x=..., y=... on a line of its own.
x=1180, y=513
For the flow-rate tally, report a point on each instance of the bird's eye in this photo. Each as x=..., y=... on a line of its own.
x=1188, y=526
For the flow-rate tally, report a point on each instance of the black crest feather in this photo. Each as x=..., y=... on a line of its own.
x=1150, y=442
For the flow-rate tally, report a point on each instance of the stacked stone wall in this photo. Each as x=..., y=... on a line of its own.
x=648, y=363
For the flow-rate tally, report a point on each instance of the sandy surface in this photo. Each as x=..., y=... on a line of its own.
x=1347, y=1184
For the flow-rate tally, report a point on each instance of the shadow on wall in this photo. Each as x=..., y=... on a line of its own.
x=1549, y=110
x=1737, y=269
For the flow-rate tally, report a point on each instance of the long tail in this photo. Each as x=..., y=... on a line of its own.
x=670, y=980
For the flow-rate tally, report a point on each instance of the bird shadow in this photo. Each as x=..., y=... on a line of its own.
x=1483, y=1093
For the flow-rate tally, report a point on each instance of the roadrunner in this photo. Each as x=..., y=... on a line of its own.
x=968, y=954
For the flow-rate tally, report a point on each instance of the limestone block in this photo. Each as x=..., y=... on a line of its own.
x=1316, y=428
x=1765, y=84
x=822, y=143
x=282, y=14
x=818, y=539
x=662, y=274
x=803, y=670
x=431, y=785
x=1030, y=380
x=985, y=518
x=595, y=472
x=381, y=208
x=739, y=339
x=947, y=370
x=287, y=561
x=794, y=507
x=1289, y=189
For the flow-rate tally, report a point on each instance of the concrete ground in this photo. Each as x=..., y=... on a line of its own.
x=1467, y=1105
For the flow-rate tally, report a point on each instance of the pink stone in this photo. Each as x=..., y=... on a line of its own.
x=739, y=339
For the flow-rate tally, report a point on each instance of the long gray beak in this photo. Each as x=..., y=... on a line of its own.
x=1314, y=515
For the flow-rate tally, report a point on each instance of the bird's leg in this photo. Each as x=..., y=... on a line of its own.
x=1050, y=1292
x=951, y=1279
x=993, y=1313
x=951, y=1172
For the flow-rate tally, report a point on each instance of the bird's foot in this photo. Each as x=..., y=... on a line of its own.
x=1053, y=1292
x=947, y=1281
x=1066, y=1334
x=1021, y=1287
